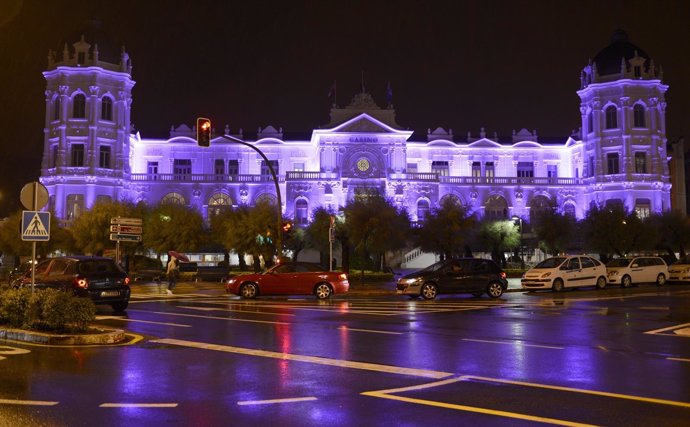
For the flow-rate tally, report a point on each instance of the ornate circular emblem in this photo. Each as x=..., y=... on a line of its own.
x=363, y=165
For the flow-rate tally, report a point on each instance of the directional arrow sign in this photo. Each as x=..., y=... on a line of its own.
x=125, y=237
x=126, y=221
x=126, y=229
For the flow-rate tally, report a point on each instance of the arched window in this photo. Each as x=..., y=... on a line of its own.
x=107, y=108
x=450, y=198
x=79, y=107
x=217, y=203
x=638, y=116
x=174, y=198
x=611, y=117
x=266, y=197
x=539, y=205
x=569, y=209
x=301, y=212
x=496, y=208
x=56, y=108
x=422, y=210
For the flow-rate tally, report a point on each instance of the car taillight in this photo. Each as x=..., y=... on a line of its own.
x=81, y=282
x=503, y=274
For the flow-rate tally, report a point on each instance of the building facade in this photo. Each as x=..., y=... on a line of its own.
x=618, y=157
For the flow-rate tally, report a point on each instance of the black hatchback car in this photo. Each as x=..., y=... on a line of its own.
x=475, y=276
x=99, y=278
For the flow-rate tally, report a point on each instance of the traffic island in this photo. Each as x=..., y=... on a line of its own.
x=95, y=336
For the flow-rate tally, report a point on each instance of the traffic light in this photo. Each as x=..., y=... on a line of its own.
x=203, y=132
x=287, y=229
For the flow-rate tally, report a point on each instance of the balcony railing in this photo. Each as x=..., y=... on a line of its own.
x=193, y=177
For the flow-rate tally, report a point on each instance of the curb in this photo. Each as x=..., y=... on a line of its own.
x=103, y=337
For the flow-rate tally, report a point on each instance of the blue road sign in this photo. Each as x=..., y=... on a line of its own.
x=35, y=226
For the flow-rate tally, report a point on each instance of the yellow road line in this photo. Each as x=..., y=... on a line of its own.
x=476, y=409
x=309, y=359
x=583, y=391
x=271, y=401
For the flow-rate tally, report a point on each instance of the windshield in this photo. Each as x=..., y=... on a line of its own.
x=434, y=267
x=619, y=262
x=684, y=260
x=551, y=262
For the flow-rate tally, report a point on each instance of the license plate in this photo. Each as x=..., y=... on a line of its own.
x=110, y=293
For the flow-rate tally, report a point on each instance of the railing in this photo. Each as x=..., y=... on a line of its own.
x=485, y=180
x=307, y=176
x=181, y=177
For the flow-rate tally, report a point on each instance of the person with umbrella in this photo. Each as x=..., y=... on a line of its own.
x=173, y=270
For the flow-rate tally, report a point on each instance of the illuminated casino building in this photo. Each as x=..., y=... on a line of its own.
x=619, y=155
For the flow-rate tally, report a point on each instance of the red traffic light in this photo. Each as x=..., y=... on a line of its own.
x=203, y=132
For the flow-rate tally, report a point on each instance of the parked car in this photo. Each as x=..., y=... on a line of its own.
x=99, y=278
x=558, y=273
x=290, y=278
x=633, y=270
x=15, y=276
x=679, y=271
x=475, y=276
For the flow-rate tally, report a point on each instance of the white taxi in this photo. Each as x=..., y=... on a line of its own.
x=679, y=271
x=633, y=270
x=562, y=272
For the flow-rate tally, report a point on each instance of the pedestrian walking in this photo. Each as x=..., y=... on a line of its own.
x=172, y=272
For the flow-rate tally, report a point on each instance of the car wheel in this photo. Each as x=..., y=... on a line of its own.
x=249, y=290
x=660, y=280
x=120, y=306
x=601, y=282
x=323, y=291
x=626, y=281
x=429, y=290
x=477, y=294
x=495, y=290
x=557, y=285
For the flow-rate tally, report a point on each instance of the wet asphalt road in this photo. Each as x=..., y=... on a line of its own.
x=202, y=358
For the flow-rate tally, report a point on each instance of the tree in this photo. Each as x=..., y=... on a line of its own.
x=612, y=230
x=316, y=233
x=171, y=226
x=91, y=230
x=498, y=237
x=555, y=232
x=373, y=226
x=251, y=230
x=11, y=239
x=447, y=230
x=673, y=232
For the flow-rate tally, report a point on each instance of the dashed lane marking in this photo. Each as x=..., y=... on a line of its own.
x=309, y=359
x=189, y=307
x=124, y=319
x=137, y=405
x=27, y=402
x=271, y=401
x=345, y=328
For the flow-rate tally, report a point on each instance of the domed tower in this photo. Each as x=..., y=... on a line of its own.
x=87, y=125
x=623, y=129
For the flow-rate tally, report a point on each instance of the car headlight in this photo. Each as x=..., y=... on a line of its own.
x=613, y=273
x=231, y=281
x=545, y=275
x=409, y=281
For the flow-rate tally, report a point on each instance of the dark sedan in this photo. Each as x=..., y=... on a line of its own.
x=99, y=278
x=466, y=275
x=290, y=278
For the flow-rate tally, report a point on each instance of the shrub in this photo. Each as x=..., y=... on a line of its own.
x=46, y=310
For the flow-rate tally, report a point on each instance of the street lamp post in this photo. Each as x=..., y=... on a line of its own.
x=522, y=259
x=279, y=228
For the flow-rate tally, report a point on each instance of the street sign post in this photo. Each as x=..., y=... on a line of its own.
x=125, y=230
x=35, y=228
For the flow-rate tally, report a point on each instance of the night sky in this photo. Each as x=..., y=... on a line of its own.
x=501, y=65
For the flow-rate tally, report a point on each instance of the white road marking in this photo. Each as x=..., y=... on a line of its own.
x=142, y=321
x=231, y=310
x=656, y=331
x=514, y=343
x=137, y=405
x=309, y=359
x=678, y=359
x=267, y=402
x=345, y=328
x=230, y=319
x=27, y=402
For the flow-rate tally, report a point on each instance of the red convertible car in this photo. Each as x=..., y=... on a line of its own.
x=290, y=278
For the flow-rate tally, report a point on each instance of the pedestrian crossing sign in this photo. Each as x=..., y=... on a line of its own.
x=35, y=226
